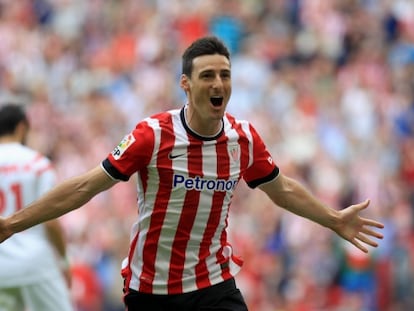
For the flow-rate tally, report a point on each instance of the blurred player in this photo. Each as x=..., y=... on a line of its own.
x=189, y=162
x=34, y=275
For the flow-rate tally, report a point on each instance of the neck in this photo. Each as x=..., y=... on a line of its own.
x=16, y=137
x=203, y=127
x=8, y=139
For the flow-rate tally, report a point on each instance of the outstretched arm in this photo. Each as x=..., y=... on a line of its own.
x=69, y=195
x=347, y=223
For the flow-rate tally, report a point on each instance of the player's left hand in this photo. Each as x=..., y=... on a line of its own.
x=356, y=229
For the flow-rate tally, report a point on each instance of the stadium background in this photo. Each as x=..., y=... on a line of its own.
x=328, y=84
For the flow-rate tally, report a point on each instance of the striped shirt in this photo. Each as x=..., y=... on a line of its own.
x=185, y=186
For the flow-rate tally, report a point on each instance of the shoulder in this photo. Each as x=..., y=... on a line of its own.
x=240, y=125
x=148, y=130
x=26, y=158
x=160, y=122
x=38, y=161
x=164, y=116
x=21, y=152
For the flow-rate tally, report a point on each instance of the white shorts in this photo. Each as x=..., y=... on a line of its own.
x=47, y=295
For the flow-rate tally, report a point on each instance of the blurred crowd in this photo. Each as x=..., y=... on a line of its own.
x=328, y=84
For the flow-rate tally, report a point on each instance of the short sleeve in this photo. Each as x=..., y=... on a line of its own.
x=132, y=154
x=263, y=168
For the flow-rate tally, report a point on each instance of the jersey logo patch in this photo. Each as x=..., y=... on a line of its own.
x=127, y=141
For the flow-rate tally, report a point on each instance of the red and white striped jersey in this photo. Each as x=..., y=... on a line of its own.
x=185, y=186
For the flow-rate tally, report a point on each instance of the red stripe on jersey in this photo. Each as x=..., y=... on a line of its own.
x=149, y=139
x=187, y=218
x=149, y=253
x=44, y=169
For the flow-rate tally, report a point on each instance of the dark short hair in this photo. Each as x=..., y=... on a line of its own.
x=209, y=45
x=10, y=116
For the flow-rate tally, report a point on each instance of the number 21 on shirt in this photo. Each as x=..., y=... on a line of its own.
x=15, y=191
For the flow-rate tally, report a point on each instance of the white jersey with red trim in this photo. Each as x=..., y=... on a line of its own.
x=26, y=257
x=185, y=186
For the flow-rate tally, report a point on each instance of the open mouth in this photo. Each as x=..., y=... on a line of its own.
x=216, y=101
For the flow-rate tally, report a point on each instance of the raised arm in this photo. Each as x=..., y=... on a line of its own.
x=69, y=195
x=347, y=223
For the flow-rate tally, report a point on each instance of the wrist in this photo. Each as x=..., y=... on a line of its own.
x=333, y=220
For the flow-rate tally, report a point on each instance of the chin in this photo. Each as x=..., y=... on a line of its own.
x=218, y=114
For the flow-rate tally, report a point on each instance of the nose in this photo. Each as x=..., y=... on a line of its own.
x=218, y=82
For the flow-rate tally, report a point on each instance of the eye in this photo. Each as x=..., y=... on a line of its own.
x=207, y=75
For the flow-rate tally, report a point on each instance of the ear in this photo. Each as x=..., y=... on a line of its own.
x=185, y=83
x=21, y=131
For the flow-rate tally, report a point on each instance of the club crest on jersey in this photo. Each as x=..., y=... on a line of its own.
x=127, y=141
x=234, y=152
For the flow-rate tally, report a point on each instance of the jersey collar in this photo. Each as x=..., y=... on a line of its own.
x=195, y=134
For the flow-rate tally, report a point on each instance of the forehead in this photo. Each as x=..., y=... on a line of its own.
x=210, y=62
